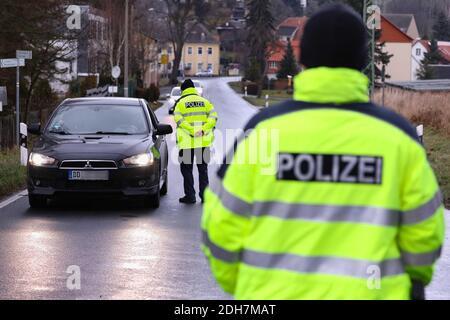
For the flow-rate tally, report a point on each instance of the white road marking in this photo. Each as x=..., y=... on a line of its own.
x=13, y=198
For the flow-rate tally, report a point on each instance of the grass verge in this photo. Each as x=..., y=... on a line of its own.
x=12, y=174
x=438, y=149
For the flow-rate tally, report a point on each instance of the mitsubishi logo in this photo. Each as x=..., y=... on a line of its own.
x=88, y=165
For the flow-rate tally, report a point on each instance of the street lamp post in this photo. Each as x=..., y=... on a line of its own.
x=125, y=85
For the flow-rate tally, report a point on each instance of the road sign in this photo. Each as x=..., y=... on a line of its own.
x=11, y=63
x=113, y=89
x=116, y=72
x=164, y=59
x=24, y=54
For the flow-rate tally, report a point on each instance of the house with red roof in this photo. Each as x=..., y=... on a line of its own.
x=399, y=44
x=291, y=30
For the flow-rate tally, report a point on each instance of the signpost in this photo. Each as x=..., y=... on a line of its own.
x=18, y=62
x=12, y=63
x=115, y=72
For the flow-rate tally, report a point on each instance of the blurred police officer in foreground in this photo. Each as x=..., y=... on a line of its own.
x=196, y=120
x=351, y=210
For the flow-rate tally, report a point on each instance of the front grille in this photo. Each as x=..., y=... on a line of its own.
x=89, y=164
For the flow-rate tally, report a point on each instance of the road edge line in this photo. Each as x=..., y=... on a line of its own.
x=13, y=198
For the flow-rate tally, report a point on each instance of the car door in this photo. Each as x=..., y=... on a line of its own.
x=159, y=142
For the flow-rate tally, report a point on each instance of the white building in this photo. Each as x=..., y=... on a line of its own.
x=419, y=48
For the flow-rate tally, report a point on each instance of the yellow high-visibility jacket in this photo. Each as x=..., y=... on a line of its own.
x=194, y=113
x=324, y=197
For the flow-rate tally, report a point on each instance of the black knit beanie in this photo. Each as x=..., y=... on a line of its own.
x=335, y=37
x=187, y=84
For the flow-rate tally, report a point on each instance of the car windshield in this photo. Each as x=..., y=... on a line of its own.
x=176, y=92
x=99, y=119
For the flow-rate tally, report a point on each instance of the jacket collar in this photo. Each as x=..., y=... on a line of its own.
x=188, y=91
x=331, y=85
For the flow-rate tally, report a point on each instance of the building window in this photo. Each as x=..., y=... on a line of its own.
x=190, y=50
x=418, y=52
x=189, y=66
x=169, y=50
x=210, y=51
x=210, y=66
x=200, y=67
x=200, y=51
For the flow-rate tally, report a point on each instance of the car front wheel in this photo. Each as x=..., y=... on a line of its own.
x=37, y=202
x=152, y=201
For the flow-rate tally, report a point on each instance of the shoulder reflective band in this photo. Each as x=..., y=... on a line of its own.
x=305, y=264
x=330, y=168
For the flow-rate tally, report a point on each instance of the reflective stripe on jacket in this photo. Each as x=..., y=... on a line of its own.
x=342, y=204
x=192, y=114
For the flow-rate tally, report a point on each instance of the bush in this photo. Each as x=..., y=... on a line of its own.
x=150, y=94
x=43, y=95
x=153, y=93
x=87, y=84
x=252, y=88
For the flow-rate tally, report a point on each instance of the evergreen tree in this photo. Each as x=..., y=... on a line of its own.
x=358, y=5
x=382, y=58
x=288, y=66
x=441, y=28
x=430, y=58
x=260, y=34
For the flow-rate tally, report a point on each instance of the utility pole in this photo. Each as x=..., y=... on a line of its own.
x=125, y=76
x=370, y=69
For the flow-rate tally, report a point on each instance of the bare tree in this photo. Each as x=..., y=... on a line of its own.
x=39, y=27
x=115, y=33
x=180, y=19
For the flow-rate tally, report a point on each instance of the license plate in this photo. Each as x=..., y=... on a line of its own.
x=88, y=175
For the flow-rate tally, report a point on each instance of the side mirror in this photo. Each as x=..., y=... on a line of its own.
x=34, y=128
x=168, y=95
x=164, y=129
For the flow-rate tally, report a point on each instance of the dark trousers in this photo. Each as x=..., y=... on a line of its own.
x=186, y=159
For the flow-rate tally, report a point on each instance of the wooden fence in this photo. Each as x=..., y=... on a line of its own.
x=8, y=125
x=7, y=132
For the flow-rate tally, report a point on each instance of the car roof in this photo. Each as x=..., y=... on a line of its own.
x=103, y=101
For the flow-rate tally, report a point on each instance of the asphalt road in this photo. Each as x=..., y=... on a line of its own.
x=123, y=252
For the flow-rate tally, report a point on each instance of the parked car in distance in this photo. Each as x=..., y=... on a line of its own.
x=208, y=73
x=198, y=87
x=172, y=98
x=99, y=146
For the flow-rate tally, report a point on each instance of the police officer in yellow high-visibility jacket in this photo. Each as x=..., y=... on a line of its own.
x=196, y=119
x=340, y=202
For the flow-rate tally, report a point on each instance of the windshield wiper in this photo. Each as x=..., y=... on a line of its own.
x=113, y=133
x=63, y=133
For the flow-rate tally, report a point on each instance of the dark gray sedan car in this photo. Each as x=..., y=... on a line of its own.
x=99, y=146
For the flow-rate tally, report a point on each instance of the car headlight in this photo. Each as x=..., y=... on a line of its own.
x=40, y=160
x=140, y=160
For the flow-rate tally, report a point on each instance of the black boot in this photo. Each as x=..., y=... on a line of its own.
x=187, y=200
